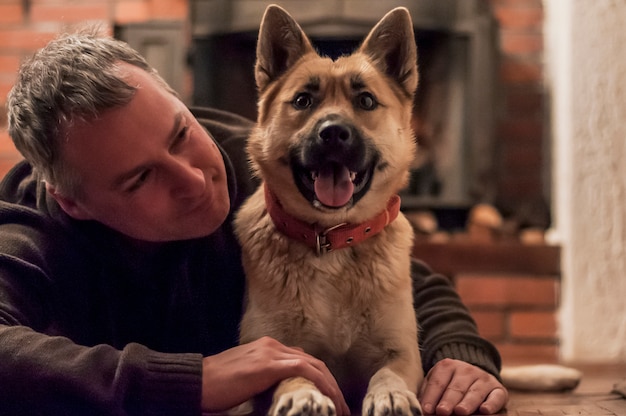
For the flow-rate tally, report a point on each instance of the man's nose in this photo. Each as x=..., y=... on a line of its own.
x=187, y=180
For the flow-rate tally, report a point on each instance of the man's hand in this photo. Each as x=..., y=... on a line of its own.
x=238, y=374
x=456, y=387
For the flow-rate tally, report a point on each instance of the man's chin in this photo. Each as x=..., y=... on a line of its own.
x=181, y=232
x=207, y=224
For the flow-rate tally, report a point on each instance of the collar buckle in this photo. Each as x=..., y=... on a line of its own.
x=322, y=244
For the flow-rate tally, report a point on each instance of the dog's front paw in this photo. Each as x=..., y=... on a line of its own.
x=388, y=403
x=303, y=402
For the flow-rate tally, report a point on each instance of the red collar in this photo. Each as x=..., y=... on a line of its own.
x=331, y=238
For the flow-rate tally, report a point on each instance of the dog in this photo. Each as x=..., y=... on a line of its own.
x=326, y=250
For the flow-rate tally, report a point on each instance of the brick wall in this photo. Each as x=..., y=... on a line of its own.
x=517, y=312
x=512, y=291
x=521, y=130
x=27, y=26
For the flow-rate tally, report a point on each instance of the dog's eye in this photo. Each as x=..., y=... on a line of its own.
x=366, y=101
x=303, y=101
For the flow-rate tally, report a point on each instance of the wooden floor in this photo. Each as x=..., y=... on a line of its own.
x=592, y=397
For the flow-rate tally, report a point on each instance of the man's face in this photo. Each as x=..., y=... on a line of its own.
x=148, y=169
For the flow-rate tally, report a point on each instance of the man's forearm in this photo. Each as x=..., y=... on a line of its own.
x=52, y=375
x=447, y=329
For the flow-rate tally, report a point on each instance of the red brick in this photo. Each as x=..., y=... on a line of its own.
x=519, y=17
x=491, y=324
x=528, y=4
x=525, y=103
x=127, y=11
x=9, y=63
x=521, y=129
x=520, y=43
x=519, y=188
x=168, y=9
x=518, y=71
x=522, y=182
x=533, y=325
x=6, y=145
x=5, y=87
x=507, y=290
x=521, y=157
x=12, y=13
x=521, y=177
x=520, y=142
x=69, y=12
x=6, y=165
x=24, y=39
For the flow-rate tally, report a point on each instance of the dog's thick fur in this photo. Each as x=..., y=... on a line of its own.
x=325, y=120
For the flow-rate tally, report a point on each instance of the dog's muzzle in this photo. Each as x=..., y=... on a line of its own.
x=333, y=166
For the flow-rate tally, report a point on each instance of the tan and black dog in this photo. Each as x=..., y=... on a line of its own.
x=325, y=249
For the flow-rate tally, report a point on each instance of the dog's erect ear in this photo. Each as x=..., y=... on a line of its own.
x=391, y=45
x=281, y=43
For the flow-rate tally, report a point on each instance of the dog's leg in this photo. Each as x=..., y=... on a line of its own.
x=298, y=396
x=388, y=394
x=393, y=388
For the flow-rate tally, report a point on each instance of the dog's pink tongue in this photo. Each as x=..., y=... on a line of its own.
x=333, y=186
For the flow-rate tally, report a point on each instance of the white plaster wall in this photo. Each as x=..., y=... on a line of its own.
x=586, y=66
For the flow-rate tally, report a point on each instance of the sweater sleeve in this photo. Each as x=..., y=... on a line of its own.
x=50, y=375
x=447, y=329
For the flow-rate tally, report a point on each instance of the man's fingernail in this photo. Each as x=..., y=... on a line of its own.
x=428, y=408
x=443, y=409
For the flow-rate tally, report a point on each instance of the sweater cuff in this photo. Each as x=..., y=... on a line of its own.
x=166, y=384
x=472, y=354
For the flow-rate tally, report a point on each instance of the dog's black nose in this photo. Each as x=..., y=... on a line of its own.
x=334, y=140
x=334, y=133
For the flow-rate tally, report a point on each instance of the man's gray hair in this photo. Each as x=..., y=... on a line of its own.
x=72, y=78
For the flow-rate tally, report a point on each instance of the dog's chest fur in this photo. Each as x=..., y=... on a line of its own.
x=326, y=304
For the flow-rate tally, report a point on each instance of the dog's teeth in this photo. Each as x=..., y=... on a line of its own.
x=352, y=176
x=317, y=204
x=314, y=175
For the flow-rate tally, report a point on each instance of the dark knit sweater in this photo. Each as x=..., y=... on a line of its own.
x=92, y=323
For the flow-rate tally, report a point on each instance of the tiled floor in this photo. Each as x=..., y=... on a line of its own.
x=592, y=397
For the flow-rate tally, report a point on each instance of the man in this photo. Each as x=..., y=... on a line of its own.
x=121, y=287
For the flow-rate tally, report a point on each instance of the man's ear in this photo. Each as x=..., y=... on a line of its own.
x=67, y=204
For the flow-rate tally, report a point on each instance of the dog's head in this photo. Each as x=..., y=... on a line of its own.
x=333, y=139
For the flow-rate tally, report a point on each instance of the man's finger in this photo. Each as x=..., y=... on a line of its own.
x=471, y=400
x=433, y=389
x=452, y=396
x=494, y=402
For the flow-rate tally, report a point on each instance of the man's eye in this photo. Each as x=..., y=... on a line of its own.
x=139, y=181
x=182, y=135
x=302, y=101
